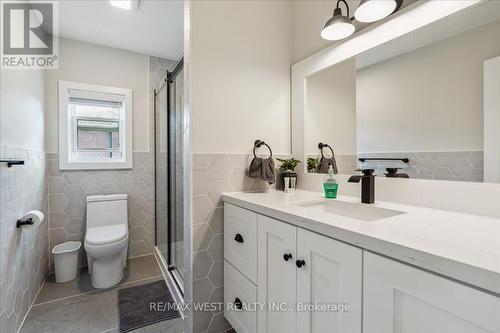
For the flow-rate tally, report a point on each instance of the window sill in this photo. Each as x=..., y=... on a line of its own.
x=95, y=165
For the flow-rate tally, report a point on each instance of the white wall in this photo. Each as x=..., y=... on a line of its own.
x=89, y=63
x=22, y=109
x=430, y=99
x=240, y=75
x=309, y=18
x=331, y=109
x=238, y=57
x=492, y=120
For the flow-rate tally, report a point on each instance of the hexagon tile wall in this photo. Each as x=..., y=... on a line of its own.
x=67, y=201
x=23, y=256
x=68, y=189
x=445, y=165
x=214, y=174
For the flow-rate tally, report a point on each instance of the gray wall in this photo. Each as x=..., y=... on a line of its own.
x=60, y=195
x=67, y=201
x=68, y=189
x=432, y=102
x=446, y=165
x=23, y=252
x=101, y=65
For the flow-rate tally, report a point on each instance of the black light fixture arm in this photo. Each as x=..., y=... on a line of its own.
x=346, y=6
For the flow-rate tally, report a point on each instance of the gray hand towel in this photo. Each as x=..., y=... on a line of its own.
x=325, y=163
x=263, y=169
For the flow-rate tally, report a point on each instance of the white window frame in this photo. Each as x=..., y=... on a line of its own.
x=66, y=128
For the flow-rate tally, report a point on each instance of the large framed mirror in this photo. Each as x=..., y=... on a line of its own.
x=415, y=97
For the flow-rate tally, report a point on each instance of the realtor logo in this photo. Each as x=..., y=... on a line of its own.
x=29, y=34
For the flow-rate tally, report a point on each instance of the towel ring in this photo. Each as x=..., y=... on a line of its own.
x=324, y=145
x=258, y=144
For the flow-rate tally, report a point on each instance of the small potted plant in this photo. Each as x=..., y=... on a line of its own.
x=287, y=168
x=312, y=164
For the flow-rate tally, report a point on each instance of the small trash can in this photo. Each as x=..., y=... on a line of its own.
x=66, y=260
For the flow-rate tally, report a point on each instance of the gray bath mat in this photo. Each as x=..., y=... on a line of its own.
x=145, y=305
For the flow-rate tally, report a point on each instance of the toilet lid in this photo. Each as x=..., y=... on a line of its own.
x=106, y=234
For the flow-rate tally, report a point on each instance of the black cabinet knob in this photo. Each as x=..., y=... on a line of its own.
x=238, y=238
x=287, y=256
x=300, y=263
x=237, y=303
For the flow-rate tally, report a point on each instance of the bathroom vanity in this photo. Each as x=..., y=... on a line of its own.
x=386, y=266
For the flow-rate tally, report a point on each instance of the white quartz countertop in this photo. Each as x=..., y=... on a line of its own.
x=460, y=246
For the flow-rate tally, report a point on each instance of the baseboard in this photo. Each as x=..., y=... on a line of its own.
x=51, y=270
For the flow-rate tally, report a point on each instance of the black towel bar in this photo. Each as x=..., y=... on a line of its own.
x=11, y=162
x=364, y=159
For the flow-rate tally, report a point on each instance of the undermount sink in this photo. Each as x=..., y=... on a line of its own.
x=358, y=211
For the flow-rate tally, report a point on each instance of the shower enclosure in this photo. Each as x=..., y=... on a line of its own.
x=168, y=116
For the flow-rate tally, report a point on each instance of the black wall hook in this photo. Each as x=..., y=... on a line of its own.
x=322, y=145
x=259, y=143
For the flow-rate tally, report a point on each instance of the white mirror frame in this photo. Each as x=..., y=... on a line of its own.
x=407, y=20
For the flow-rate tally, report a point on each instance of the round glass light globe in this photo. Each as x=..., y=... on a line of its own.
x=337, y=31
x=374, y=10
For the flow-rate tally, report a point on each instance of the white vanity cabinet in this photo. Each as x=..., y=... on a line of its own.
x=240, y=240
x=285, y=267
x=295, y=268
x=399, y=298
x=240, y=267
x=332, y=274
x=277, y=275
x=298, y=268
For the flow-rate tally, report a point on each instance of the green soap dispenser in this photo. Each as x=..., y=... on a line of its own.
x=330, y=185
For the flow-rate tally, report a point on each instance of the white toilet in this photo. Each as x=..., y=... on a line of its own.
x=106, y=238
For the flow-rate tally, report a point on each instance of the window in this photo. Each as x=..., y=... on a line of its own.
x=95, y=127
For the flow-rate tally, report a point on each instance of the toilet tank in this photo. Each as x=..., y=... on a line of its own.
x=105, y=210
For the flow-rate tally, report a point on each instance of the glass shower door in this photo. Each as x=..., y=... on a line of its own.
x=169, y=173
x=176, y=202
x=161, y=171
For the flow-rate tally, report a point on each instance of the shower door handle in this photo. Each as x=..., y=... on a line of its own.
x=238, y=238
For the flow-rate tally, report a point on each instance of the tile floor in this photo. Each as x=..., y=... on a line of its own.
x=77, y=307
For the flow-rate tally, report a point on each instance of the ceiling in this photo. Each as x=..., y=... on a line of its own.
x=155, y=29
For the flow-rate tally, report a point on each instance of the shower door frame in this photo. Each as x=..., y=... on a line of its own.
x=168, y=269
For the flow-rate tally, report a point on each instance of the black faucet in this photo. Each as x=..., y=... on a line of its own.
x=367, y=185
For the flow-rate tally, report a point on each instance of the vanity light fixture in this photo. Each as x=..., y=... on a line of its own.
x=131, y=5
x=374, y=10
x=339, y=26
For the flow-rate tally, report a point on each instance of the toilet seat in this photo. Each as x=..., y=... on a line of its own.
x=106, y=234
